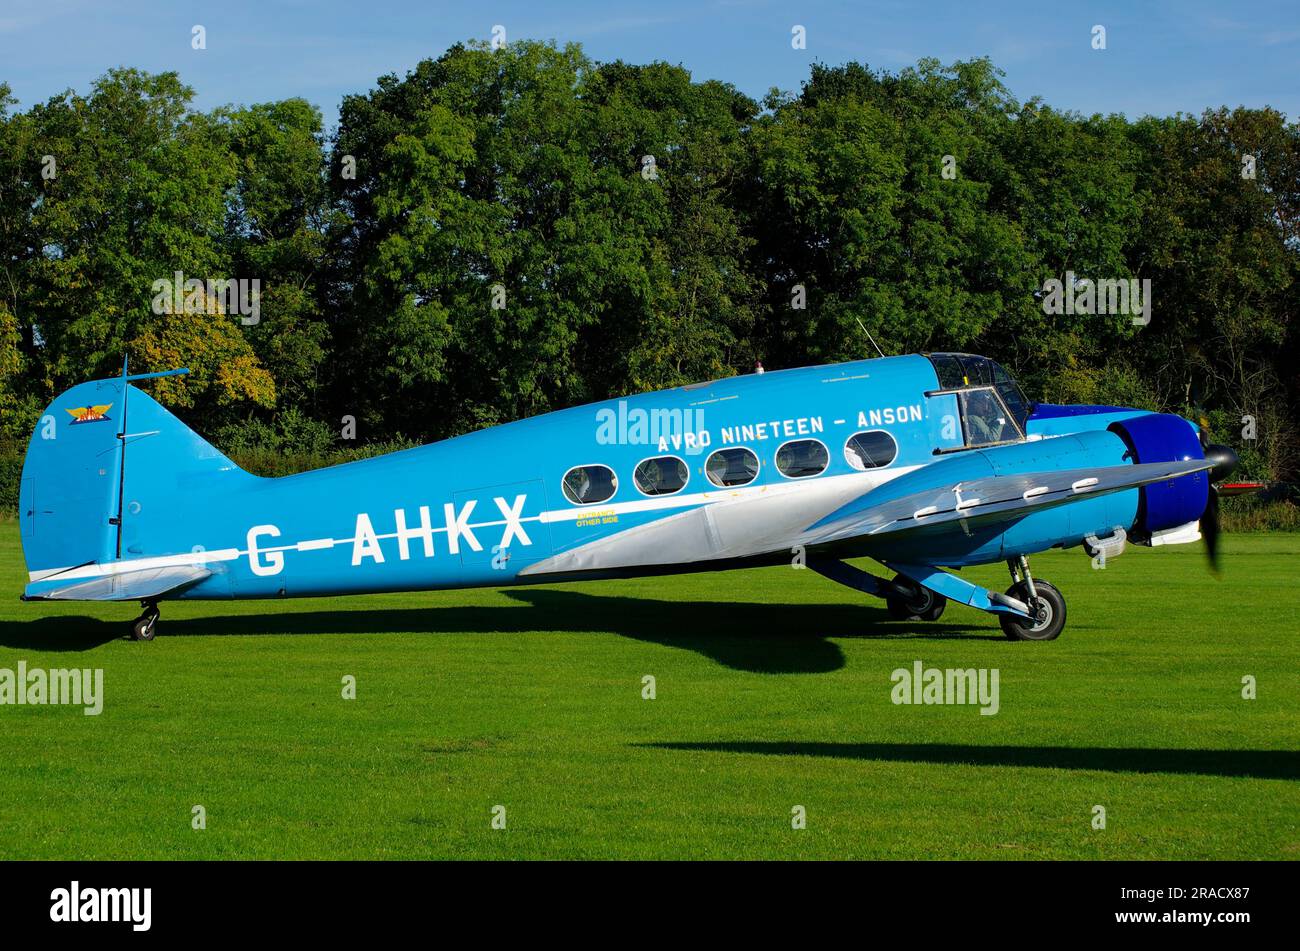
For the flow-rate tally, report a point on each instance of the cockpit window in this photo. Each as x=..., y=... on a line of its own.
x=959, y=371
x=985, y=419
x=948, y=368
x=979, y=370
x=1011, y=395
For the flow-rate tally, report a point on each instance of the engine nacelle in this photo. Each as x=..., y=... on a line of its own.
x=1163, y=437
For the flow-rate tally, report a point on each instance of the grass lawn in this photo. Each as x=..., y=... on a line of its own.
x=773, y=691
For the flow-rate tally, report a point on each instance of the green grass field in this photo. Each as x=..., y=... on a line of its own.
x=773, y=690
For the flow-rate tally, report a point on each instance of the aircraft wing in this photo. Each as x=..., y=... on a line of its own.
x=124, y=586
x=993, y=498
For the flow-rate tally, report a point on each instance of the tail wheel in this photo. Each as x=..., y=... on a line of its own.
x=921, y=604
x=1048, y=609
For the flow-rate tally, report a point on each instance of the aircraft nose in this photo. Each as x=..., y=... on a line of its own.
x=1224, y=459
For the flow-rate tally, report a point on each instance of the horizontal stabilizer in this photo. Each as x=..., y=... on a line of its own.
x=994, y=498
x=124, y=586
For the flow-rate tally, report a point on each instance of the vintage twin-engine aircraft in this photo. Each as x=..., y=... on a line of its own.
x=923, y=463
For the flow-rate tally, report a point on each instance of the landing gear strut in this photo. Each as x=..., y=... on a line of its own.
x=146, y=625
x=1045, y=603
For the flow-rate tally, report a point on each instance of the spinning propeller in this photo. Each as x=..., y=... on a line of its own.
x=1225, y=461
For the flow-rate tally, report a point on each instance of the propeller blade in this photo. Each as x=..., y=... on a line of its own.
x=1210, y=528
x=1225, y=461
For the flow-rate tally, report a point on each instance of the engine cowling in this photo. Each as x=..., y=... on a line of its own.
x=1163, y=437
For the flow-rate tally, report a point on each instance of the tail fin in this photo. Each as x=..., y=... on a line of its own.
x=106, y=478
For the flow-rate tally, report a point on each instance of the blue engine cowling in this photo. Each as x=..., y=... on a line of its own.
x=1163, y=437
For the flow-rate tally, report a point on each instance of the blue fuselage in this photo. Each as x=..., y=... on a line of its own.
x=491, y=507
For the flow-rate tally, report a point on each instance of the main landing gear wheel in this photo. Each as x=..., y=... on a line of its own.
x=146, y=625
x=922, y=604
x=1048, y=609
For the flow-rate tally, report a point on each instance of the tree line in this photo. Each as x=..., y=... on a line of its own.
x=504, y=232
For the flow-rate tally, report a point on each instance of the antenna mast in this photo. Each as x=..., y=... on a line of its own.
x=869, y=337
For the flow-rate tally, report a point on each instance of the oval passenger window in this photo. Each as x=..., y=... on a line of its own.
x=732, y=467
x=587, y=485
x=802, y=458
x=662, y=475
x=870, y=450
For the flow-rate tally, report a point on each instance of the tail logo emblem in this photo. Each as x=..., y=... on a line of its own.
x=90, y=414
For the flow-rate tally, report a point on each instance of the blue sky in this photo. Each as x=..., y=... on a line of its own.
x=1161, y=57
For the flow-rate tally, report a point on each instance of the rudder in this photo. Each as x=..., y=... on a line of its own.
x=105, y=472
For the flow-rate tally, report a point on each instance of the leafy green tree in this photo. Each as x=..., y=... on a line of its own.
x=277, y=232
x=670, y=165
x=1221, y=247
x=116, y=191
x=514, y=255
x=884, y=199
x=499, y=233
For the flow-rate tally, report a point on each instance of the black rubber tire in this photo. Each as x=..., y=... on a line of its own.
x=145, y=627
x=924, y=606
x=1049, y=599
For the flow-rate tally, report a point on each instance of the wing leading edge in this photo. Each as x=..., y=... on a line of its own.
x=993, y=499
